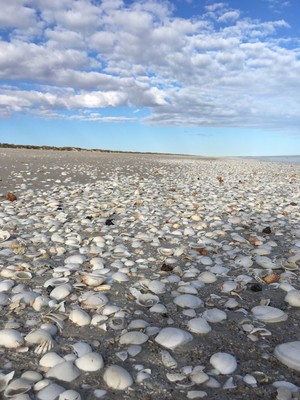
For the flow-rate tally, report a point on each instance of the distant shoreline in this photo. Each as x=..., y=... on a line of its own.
x=72, y=148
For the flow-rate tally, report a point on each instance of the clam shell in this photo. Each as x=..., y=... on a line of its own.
x=198, y=325
x=90, y=362
x=50, y=392
x=10, y=338
x=225, y=363
x=173, y=337
x=69, y=395
x=23, y=275
x=133, y=337
x=188, y=301
x=289, y=354
x=268, y=314
x=293, y=298
x=65, y=371
x=214, y=315
x=50, y=359
x=16, y=387
x=80, y=317
x=117, y=377
x=5, y=379
x=4, y=235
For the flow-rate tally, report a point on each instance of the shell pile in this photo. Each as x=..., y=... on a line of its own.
x=122, y=275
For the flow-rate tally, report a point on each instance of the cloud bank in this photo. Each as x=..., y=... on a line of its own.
x=73, y=59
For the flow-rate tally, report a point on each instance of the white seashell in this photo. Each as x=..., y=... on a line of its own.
x=120, y=277
x=38, y=336
x=225, y=363
x=6, y=285
x=199, y=377
x=80, y=317
x=268, y=314
x=147, y=300
x=214, y=315
x=158, y=308
x=228, y=286
x=188, y=301
x=168, y=360
x=10, y=338
x=4, y=235
x=207, y=277
x=75, y=259
x=56, y=282
x=50, y=359
x=61, y=292
x=50, y=392
x=157, y=287
x=289, y=354
x=69, y=395
x=165, y=251
x=90, y=362
x=196, y=394
x=5, y=379
x=173, y=337
x=293, y=298
x=198, y=325
x=138, y=324
x=176, y=377
x=81, y=348
x=133, y=337
x=16, y=387
x=287, y=385
x=32, y=376
x=117, y=323
x=65, y=371
x=94, y=300
x=117, y=377
x=23, y=275
x=266, y=262
x=92, y=279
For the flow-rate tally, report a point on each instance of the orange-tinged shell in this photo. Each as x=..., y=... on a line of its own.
x=271, y=278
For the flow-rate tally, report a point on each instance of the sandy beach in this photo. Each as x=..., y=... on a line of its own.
x=181, y=270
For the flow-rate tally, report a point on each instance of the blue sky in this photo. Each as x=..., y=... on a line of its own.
x=186, y=76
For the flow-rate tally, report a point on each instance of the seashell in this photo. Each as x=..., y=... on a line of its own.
x=90, y=362
x=17, y=387
x=196, y=394
x=10, y=338
x=23, y=275
x=6, y=285
x=268, y=314
x=214, y=315
x=56, y=282
x=61, y=292
x=173, y=337
x=5, y=379
x=158, y=308
x=117, y=323
x=50, y=359
x=271, y=278
x=81, y=348
x=291, y=266
x=65, y=371
x=164, y=251
x=207, y=277
x=157, y=287
x=80, y=317
x=4, y=235
x=293, y=298
x=177, y=377
x=75, y=259
x=32, y=376
x=133, y=337
x=147, y=300
x=223, y=362
x=117, y=378
x=199, y=377
x=92, y=279
x=188, y=301
x=198, y=325
x=289, y=354
x=69, y=395
x=94, y=300
x=50, y=392
x=266, y=262
x=138, y=324
x=168, y=360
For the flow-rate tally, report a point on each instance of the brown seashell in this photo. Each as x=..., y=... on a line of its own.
x=11, y=197
x=196, y=206
x=271, y=278
x=220, y=179
x=202, y=251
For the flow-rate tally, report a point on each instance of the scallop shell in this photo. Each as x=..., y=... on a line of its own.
x=225, y=363
x=173, y=337
x=289, y=354
x=10, y=338
x=117, y=377
x=268, y=314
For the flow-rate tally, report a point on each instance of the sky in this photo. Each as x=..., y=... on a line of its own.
x=196, y=77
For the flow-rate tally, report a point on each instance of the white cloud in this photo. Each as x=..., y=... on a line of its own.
x=218, y=69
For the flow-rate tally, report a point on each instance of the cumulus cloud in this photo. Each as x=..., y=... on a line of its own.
x=69, y=59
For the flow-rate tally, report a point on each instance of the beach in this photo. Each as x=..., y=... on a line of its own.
x=181, y=271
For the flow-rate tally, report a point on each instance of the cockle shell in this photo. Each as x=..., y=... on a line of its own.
x=225, y=363
x=133, y=337
x=117, y=377
x=10, y=338
x=173, y=337
x=289, y=354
